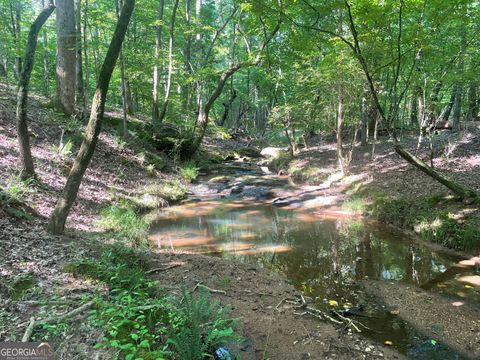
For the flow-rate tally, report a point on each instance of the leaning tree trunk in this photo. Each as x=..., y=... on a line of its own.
x=457, y=189
x=204, y=111
x=57, y=220
x=66, y=55
x=28, y=169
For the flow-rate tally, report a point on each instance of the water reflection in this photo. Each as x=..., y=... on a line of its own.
x=323, y=254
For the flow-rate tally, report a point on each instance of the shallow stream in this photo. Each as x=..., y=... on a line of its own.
x=325, y=255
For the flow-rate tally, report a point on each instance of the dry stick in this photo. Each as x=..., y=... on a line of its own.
x=29, y=330
x=349, y=321
x=213, y=291
x=160, y=269
x=63, y=316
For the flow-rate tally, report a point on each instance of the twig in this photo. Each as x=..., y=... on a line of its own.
x=164, y=268
x=213, y=291
x=29, y=330
x=349, y=322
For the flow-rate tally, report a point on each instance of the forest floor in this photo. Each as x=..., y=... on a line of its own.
x=270, y=326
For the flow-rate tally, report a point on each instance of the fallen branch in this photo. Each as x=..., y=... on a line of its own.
x=29, y=330
x=164, y=268
x=213, y=291
x=67, y=315
x=349, y=322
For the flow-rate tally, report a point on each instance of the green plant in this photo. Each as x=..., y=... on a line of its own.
x=63, y=150
x=204, y=326
x=171, y=190
x=189, y=171
x=140, y=322
x=17, y=190
x=125, y=222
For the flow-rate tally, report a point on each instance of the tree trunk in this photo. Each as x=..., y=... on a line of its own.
x=458, y=189
x=119, y=4
x=170, y=64
x=86, y=87
x=227, y=106
x=59, y=216
x=46, y=73
x=447, y=110
x=364, y=120
x=156, y=68
x=339, y=131
x=187, y=56
x=472, y=114
x=66, y=55
x=18, y=38
x=457, y=106
x=28, y=169
x=80, y=92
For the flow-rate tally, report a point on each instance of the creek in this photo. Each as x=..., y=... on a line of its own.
x=326, y=255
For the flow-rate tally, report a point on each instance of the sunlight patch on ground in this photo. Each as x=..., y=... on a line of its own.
x=473, y=280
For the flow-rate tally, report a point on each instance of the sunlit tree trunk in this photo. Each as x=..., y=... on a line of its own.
x=170, y=64
x=66, y=55
x=79, y=84
x=57, y=221
x=364, y=119
x=46, y=72
x=119, y=4
x=156, y=67
x=86, y=59
x=17, y=27
x=28, y=169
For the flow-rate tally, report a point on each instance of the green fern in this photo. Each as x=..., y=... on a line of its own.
x=203, y=326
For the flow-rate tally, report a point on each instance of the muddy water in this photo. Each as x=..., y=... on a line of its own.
x=325, y=255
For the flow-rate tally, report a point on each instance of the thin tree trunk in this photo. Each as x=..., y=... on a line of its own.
x=86, y=95
x=28, y=169
x=188, y=56
x=79, y=84
x=46, y=72
x=59, y=216
x=119, y=4
x=18, y=38
x=364, y=119
x=472, y=102
x=339, y=131
x=66, y=55
x=170, y=64
x=156, y=69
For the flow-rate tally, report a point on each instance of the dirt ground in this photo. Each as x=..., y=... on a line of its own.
x=455, y=322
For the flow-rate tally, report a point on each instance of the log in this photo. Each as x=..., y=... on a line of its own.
x=458, y=189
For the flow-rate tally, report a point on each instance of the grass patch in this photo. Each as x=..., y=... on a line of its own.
x=280, y=162
x=171, y=190
x=189, y=171
x=309, y=174
x=125, y=222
